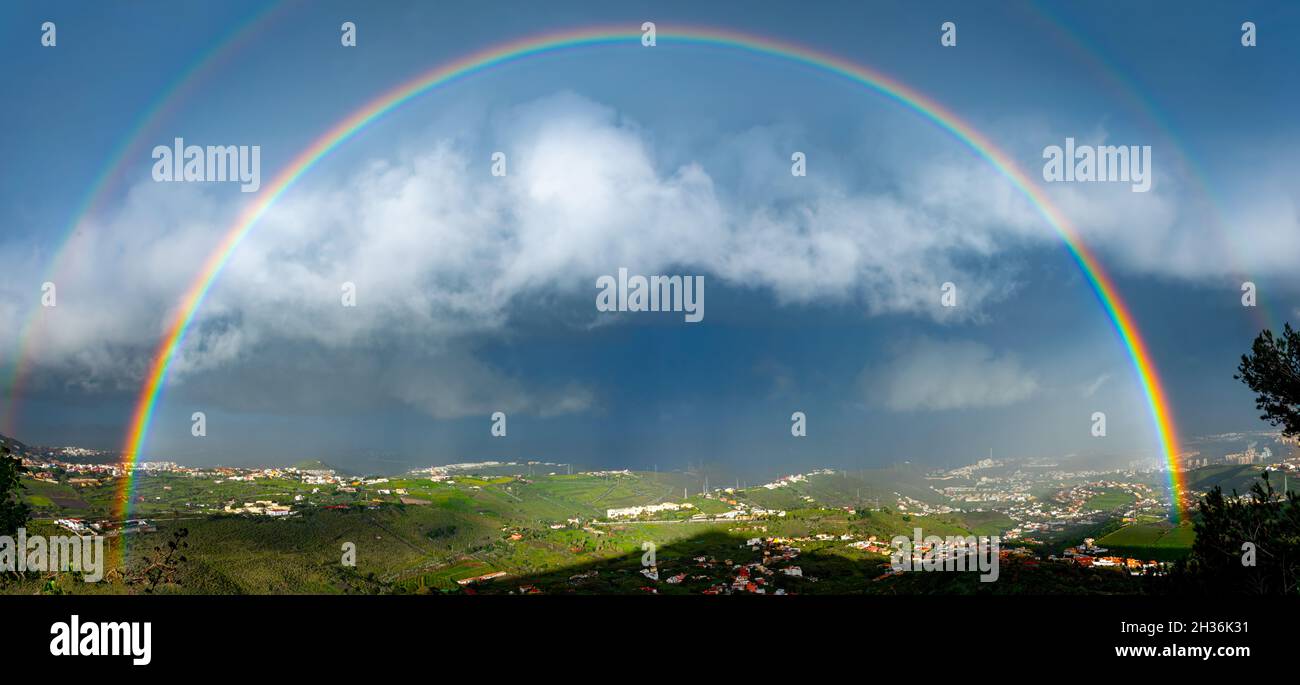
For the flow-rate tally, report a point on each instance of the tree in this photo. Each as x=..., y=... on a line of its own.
x=1252, y=544
x=1246, y=545
x=163, y=567
x=13, y=511
x=1272, y=370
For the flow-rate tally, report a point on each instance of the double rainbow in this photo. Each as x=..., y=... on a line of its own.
x=1101, y=284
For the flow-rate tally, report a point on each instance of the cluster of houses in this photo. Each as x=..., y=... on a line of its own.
x=634, y=512
x=43, y=467
x=482, y=578
x=756, y=577
x=742, y=512
x=106, y=528
x=911, y=505
x=786, y=481
x=261, y=507
x=872, y=545
x=1089, y=555
x=727, y=577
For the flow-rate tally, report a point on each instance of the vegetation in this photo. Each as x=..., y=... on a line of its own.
x=1272, y=371
x=1246, y=545
x=163, y=566
x=1251, y=544
x=13, y=510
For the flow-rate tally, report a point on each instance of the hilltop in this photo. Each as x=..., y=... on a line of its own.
x=14, y=445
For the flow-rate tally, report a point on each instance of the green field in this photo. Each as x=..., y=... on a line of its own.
x=1160, y=541
x=1110, y=500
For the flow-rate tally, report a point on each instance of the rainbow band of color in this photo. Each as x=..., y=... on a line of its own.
x=168, y=101
x=1102, y=286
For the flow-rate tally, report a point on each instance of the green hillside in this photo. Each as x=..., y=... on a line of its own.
x=1232, y=477
x=848, y=489
x=414, y=534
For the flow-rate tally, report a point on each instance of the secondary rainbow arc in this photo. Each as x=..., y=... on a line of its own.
x=169, y=100
x=1099, y=281
x=1122, y=83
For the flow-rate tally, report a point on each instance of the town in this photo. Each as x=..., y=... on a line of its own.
x=516, y=526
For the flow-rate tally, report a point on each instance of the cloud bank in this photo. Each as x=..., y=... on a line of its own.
x=444, y=256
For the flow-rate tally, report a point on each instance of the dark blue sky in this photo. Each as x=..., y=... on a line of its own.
x=476, y=292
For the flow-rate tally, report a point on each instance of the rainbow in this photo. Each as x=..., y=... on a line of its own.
x=1101, y=284
x=1066, y=33
x=111, y=177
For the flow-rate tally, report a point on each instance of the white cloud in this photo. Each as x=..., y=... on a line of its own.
x=936, y=375
x=442, y=253
x=1187, y=226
